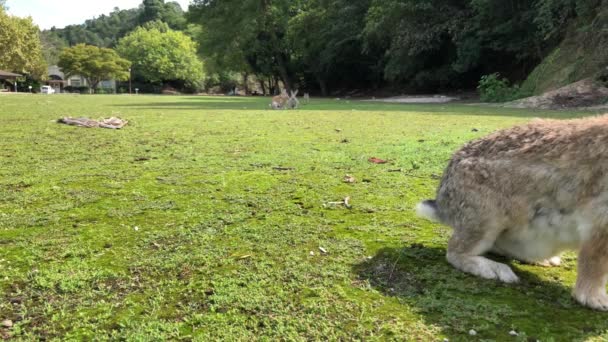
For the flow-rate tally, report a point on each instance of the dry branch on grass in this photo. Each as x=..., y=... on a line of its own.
x=111, y=123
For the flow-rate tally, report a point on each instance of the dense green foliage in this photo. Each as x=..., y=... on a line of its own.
x=93, y=63
x=20, y=46
x=420, y=44
x=294, y=41
x=178, y=61
x=328, y=46
x=159, y=54
x=106, y=30
x=247, y=36
x=52, y=45
x=493, y=88
x=326, y=38
x=581, y=54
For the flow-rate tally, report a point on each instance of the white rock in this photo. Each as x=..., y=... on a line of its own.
x=513, y=333
x=7, y=323
x=472, y=332
x=323, y=250
x=136, y=228
x=312, y=253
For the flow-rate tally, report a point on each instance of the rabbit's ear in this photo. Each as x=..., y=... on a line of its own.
x=296, y=93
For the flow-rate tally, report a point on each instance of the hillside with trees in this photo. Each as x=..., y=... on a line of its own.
x=356, y=47
x=418, y=46
x=106, y=30
x=159, y=59
x=583, y=53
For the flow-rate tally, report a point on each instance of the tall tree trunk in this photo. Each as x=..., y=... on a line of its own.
x=263, y=86
x=322, y=85
x=246, y=82
x=282, y=66
x=282, y=57
x=277, y=86
x=92, y=85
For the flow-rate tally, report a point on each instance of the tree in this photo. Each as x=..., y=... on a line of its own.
x=157, y=10
x=412, y=40
x=152, y=10
x=21, y=49
x=103, y=31
x=424, y=45
x=52, y=45
x=160, y=54
x=174, y=16
x=94, y=64
x=106, y=30
x=250, y=34
x=326, y=40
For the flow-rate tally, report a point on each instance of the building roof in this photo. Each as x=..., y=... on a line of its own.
x=6, y=74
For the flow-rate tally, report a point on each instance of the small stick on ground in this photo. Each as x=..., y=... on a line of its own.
x=345, y=202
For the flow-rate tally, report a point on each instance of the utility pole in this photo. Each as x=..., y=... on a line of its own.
x=130, y=81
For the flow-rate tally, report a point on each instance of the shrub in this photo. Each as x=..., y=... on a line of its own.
x=492, y=88
x=23, y=86
x=602, y=77
x=81, y=90
x=104, y=91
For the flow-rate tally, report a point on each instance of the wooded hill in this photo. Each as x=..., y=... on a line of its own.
x=583, y=53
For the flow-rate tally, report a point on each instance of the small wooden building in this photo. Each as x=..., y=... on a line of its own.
x=7, y=78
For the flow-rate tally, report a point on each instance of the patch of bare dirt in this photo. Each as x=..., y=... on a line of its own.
x=418, y=99
x=582, y=94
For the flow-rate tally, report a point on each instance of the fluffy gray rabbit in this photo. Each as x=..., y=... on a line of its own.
x=293, y=102
x=530, y=193
x=285, y=101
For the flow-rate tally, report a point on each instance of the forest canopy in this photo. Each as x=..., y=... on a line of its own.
x=334, y=45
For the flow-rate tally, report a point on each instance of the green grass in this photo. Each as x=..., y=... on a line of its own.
x=179, y=227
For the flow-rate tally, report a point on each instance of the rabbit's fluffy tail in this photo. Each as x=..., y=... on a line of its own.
x=429, y=210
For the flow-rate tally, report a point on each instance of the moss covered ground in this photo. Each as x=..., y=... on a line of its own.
x=205, y=219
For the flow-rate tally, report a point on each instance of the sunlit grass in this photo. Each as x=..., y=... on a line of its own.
x=203, y=219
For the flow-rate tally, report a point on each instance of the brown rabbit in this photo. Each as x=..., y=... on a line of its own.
x=530, y=193
x=280, y=101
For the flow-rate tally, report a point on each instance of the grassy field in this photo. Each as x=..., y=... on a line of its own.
x=204, y=219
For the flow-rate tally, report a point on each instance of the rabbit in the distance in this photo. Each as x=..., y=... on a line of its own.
x=285, y=101
x=530, y=193
x=279, y=101
x=293, y=102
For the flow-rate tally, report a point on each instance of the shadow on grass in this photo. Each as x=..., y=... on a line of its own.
x=261, y=103
x=536, y=308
